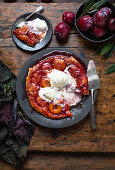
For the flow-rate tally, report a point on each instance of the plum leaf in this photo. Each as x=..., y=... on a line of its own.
x=110, y=52
x=88, y=5
x=107, y=48
x=110, y=69
x=98, y=4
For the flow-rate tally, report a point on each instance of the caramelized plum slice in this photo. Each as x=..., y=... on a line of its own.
x=59, y=64
x=45, y=82
x=74, y=70
x=66, y=110
x=33, y=90
x=82, y=79
x=37, y=76
x=33, y=80
x=40, y=101
x=69, y=114
x=26, y=39
x=85, y=90
x=36, y=68
x=22, y=30
x=46, y=66
x=38, y=79
x=34, y=37
x=71, y=60
x=51, y=115
x=55, y=109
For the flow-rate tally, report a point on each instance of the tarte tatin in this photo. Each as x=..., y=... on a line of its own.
x=55, y=84
x=32, y=32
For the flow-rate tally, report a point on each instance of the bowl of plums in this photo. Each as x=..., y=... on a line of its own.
x=95, y=20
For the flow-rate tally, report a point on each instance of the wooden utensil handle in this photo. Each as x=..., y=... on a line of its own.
x=92, y=112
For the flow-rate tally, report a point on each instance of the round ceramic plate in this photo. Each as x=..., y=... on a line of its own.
x=79, y=111
x=37, y=46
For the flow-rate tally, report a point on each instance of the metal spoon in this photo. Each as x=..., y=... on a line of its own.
x=22, y=21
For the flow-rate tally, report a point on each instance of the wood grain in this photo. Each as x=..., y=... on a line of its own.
x=53, y=1
x=78, y=138
x=65, y=161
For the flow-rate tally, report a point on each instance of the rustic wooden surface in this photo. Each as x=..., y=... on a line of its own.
x=78, y=138
x=53, y=1
x=65, y=161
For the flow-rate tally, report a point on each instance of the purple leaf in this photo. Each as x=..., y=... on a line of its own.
x=5, y=114
x=23, y=130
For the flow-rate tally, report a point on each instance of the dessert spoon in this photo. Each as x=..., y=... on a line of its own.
x=22, y=21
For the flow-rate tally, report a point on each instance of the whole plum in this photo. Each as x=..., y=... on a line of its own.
x=99, y=32
x=85, y=23
x=111, y=24
x=107, y=11
x=68, y=17
x=100, y=19
x=62, y=31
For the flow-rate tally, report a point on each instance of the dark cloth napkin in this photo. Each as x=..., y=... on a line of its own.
x=15, y=130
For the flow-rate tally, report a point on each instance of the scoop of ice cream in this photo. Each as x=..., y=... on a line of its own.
x=40, y=24
x=58, y=78
x=47, y=94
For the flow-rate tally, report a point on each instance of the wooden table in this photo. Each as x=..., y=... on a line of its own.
x=76, y=147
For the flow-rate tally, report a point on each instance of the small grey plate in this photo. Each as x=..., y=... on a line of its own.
x=79, y=111
x=37, y=46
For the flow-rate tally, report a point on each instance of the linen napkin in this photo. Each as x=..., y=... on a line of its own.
x=15, y=130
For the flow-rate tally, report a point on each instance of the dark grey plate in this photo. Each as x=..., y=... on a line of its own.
x=37, y=46
x=79, y=111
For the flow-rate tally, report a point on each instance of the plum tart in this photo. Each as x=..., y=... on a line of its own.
x=55, y=84
x=32, y=32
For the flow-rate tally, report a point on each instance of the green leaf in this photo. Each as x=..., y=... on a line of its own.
x=98, y=4
x=110, y=52
x=107, y=48
x=92, y=11
x=98, y=50
x=91, y=7
x=110, y=69
x=88, y=5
